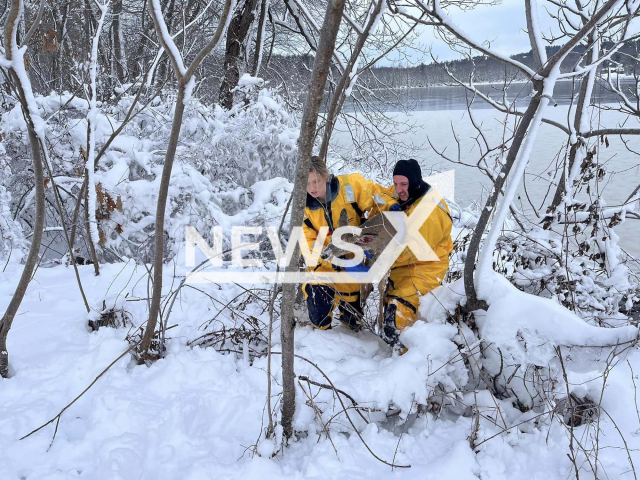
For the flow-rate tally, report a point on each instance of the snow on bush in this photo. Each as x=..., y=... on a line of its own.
x=12, y=241
x=586, y=274
x=11, y=238
x=520, y=337
x=221, y=156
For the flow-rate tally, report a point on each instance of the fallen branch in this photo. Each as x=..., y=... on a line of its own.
x=392, y=465
x=59, y=415
x=336, y=390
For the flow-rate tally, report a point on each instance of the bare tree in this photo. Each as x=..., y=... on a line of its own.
x=235, y=54
x=92, y=117
x=119, y=58
x=321, y=65
x=16, y=66
x=543, y=76
x=349, y=77
x=260, y=37
x=184, y=77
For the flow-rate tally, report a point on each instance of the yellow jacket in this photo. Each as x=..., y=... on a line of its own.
x=436, y=230
x=351, y=192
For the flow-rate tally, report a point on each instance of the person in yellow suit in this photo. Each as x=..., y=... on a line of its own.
x=327, y=197
x=410, y=278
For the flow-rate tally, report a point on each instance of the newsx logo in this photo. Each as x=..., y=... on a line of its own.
x=251, y=270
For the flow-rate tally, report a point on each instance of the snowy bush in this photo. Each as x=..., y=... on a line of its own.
x=11, y=238
x=513, y=350
x=12, y=241
x=221, y=155
x=586, y=273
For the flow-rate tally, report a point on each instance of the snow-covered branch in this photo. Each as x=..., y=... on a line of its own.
x=92, y=116
x=435, y=11
x=36, y=131
x=297, y=8
x=535, y=35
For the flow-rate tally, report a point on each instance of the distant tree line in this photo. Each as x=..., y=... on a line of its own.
x=484, y=69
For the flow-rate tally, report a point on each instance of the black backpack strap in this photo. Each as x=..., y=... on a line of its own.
x=308, y=223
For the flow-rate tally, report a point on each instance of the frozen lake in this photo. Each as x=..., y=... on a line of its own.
x=438, y=111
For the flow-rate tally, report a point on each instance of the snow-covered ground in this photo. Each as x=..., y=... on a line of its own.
x=197, y=414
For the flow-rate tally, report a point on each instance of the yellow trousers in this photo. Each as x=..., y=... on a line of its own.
x=406, y=285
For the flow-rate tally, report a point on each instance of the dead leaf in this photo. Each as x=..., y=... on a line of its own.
x=103, y=238
x=111, y=205
x=119, y=204
x=99, y=194
x=50, y=42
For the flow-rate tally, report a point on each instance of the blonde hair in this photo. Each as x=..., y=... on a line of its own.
x=317, y=165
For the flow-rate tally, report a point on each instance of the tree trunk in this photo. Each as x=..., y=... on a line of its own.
x=158, y=260
x=58, y=59
x=5, y=324
x=184, y=78
x=474, y=246
x=145, y=33
x=321, y=65
x=119, y=59
x=234, y=57
x=257, y=56
x=87, y=223
x=584, y=99
x=89, y=25
x=162, y=71
x=32, y=257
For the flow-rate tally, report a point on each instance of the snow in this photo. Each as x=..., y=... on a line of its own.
x=194, y=413
x=12, y=241
x=590, y=78
x=246, y=80
x=199, y=413
x=485, y=258
x=356, y=26
x=541, y=325
x=376, y=20
x=537, y=34
x=167, y=39
x=258, y=139
x=91, y=119
x=353, y=78
x=18, y=67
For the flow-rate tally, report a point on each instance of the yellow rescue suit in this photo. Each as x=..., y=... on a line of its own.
x=411, y=278
x=357, y=196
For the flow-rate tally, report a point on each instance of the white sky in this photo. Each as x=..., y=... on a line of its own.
x=503, y=25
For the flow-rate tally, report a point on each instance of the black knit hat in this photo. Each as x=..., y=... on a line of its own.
x=411, y=169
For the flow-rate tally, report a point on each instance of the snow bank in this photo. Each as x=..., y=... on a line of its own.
x=194, y=413
x=530, y=328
